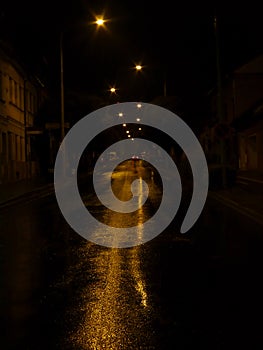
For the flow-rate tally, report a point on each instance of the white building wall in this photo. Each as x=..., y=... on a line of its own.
x=14, y=143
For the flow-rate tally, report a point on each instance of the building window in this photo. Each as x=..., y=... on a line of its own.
x=226, y=111
x=1, y=86
x=21, y=148
x=23, y=151
x=10, y=90
x=29, y=101
x=21, y=94
x=35, y=104
x=10, y=146
x=4, y=146
x=32, y=103
x=18, y=148
x=15, y=93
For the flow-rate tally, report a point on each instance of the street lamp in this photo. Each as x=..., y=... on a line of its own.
x=220, y=103
x=100, y=22
x=62, y=88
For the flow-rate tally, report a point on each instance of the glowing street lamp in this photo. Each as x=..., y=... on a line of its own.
x=100, y=22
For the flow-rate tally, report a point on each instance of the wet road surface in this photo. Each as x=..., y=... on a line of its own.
x=200, y=290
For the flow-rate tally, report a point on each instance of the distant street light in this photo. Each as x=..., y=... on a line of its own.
x=113, y=90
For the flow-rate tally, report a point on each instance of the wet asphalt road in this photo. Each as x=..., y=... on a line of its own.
x=200, y=290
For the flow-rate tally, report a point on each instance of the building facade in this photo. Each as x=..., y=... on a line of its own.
x=240, y=124
x=21, y=96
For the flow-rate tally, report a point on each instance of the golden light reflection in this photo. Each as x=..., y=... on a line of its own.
x=114, y=304
x=141, y=289
x=102, y=326
x=136, y=270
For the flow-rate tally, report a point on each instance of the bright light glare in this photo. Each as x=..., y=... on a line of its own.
x=100, y=21
x=138, y=67
x=140, y=128
x=127, y=132
x=138, y=119
x=112, y=89
x=120, y=114
x=124, y=124
x=139, y=105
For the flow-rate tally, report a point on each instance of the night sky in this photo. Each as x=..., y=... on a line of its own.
x=176, y=38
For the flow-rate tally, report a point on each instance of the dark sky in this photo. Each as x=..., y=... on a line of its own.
x=165, y=36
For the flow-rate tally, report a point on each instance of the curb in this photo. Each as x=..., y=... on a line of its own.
x=33, y=194
x=29, y=196
x=252, y=214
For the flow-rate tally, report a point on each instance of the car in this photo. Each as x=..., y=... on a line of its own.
x=134, y=157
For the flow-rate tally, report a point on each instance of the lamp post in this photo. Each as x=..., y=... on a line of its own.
x=62, y=88
x=164, y=84
x=139, y=67
x=220, y=112
x=100, y=22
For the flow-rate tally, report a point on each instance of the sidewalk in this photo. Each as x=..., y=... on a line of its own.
x=246, y=202
x=27, y=190
x=24, y=190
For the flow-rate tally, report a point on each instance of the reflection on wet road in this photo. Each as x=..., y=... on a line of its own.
x=117, y=310
x=196, y=291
